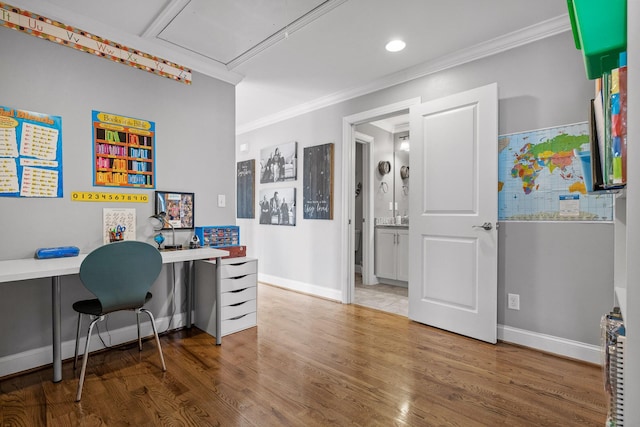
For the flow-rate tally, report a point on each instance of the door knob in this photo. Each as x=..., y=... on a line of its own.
x=487, y=226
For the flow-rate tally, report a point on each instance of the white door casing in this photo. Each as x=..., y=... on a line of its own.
x=367, y=243
x=454, y=172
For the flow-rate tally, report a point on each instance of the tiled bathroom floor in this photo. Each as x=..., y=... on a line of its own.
x=392, y=299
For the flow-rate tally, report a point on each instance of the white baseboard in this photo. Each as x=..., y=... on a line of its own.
x=551, y=344
x=42, y=356
x=307, y=288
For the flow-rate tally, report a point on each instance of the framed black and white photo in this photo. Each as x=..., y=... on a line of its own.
x=246, y=193
x=279, y=163
x=317, y=182
x=178, y=207
x=278, y=206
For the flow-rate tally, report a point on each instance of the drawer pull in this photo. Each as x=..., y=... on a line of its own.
x=238, y=263
x=237, y=277
x=237, y=304
x=239, y=317
x=238, y=290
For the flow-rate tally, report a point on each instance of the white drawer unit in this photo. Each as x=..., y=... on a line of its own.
x=237, y=293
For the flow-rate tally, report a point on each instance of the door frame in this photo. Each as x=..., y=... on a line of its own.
x=367, y=142
x=347, y=229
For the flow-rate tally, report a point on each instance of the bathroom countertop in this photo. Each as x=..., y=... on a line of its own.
x=392, y=226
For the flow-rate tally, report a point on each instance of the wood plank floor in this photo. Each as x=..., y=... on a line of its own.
x=312, y=362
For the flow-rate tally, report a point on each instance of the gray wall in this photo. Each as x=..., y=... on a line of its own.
x=563, y=272
x=195, y=149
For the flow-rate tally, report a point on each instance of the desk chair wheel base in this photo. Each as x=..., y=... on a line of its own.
x=120, y=275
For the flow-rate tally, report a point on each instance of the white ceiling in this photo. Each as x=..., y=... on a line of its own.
x=291, y=56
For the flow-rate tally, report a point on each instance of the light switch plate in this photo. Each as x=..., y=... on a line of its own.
x=222, y=201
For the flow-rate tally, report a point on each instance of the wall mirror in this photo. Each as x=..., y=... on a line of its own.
x=401, y=175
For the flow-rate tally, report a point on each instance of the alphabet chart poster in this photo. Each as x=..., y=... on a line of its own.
x=30, y=154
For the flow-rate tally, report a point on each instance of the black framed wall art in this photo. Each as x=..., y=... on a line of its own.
x=278, y=206
x=178, y=207
x=245, y=188
x=317, y=182
x=279, y=163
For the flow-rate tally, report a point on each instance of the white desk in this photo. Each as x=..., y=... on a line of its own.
x=31, y=268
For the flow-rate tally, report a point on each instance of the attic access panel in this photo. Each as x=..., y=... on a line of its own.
x=225, y=29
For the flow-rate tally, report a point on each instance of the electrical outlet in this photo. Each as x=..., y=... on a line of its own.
x=513, y=301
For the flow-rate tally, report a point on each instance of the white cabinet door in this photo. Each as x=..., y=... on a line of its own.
x=392, y=253
x=402, y=255
x=385, y=253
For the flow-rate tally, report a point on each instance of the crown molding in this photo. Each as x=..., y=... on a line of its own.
x=390, y=127
x=500, y=44
x=402, y=127
x=381, y=124
x=363, y=137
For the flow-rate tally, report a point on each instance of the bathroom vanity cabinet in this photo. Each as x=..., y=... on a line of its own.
x=392, y=252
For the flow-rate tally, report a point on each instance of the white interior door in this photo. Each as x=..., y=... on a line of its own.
x=454, y=190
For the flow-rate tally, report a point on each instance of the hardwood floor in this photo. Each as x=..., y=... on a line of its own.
x=312, y=362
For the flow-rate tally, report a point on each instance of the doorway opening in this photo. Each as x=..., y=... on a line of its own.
x=351, y=139
x=381, y=281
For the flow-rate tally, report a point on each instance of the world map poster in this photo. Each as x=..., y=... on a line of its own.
x=541, y=179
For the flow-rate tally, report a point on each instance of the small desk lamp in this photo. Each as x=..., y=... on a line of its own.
x=161, y=219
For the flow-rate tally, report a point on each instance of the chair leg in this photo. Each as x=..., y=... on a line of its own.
x=138, y=322
x=86, y=357
x=155, y=333
x=75, y=357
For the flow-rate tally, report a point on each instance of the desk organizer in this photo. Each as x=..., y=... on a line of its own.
x=218, y=236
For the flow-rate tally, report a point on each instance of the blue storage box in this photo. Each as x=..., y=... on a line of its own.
x=218, y=236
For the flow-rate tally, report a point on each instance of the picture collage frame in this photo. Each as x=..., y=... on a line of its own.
x=278, y=164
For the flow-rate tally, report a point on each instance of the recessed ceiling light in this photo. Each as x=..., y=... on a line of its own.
x=395, y=45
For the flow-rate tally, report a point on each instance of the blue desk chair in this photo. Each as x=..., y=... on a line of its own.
x=119, y=275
